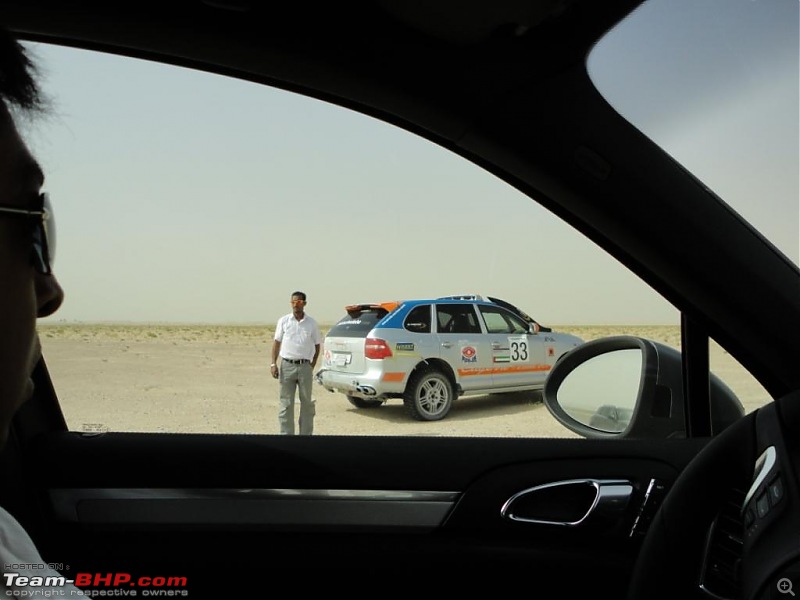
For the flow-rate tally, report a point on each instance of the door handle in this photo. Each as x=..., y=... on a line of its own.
x=569, y=503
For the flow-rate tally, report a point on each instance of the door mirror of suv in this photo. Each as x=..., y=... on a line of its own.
x=625, y=386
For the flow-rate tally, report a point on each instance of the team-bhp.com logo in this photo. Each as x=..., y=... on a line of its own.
x=107, y=584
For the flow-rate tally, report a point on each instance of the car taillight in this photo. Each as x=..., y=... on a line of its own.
x=377, y=349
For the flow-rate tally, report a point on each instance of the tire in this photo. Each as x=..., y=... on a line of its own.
x=428, y=395
x=364, y=402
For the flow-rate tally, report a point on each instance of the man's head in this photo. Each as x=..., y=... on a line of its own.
x=298, y=302
x=28, y=289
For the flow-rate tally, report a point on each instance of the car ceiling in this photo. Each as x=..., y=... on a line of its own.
x=503, y=84
x=459, y=56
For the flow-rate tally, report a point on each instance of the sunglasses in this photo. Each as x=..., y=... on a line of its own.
x=44, y=232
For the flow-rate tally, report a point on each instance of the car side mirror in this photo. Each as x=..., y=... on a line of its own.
x=630, y=387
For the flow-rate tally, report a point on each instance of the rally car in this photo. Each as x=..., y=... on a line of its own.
x=428, y=352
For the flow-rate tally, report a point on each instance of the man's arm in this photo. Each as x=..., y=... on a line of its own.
x=273, y=367
x=276, y=349
x=316, y=355
x=317, y=343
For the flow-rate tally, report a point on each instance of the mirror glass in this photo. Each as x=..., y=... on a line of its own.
x=601, y=392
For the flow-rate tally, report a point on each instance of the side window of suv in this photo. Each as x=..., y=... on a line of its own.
x=495, y=323
x=517, y=325
x=499, y=321
x=419, y=319
x=457, y=318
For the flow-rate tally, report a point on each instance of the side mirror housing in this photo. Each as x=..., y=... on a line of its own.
x=629, y=387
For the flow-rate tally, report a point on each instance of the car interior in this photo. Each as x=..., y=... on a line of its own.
x=631, y=510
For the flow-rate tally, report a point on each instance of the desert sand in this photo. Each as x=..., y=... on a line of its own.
x=215, y=379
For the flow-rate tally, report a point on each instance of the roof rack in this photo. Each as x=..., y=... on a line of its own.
x=462, y=297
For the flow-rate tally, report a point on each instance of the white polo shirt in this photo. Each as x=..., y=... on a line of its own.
x=298, y=338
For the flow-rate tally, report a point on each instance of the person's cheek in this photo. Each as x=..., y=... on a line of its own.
x=18, y=342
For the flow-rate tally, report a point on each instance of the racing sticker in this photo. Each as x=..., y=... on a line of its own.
x=404, y=346
x=551, y=351
x=501, y=355
x=518, y=349
x=469, y=354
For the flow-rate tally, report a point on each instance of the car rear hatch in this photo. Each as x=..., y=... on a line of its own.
x=344, y=343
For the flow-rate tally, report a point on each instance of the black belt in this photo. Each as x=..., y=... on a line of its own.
x=299, y=361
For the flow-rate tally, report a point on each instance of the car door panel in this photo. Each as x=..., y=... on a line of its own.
x=162, y=500
x=518, y=360
x=222, y=496
x=467, y=353
x=471, y=358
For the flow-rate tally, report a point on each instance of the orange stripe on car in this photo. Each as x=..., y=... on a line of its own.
x=393, y=376
x=504, y=370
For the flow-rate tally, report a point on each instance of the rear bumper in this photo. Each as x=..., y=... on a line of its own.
x=367, y=385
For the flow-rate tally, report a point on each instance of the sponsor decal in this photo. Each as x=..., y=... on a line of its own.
x=469, y=354
x=404, y=346
x=551, y=351
x=502, y=358
x=513, y=369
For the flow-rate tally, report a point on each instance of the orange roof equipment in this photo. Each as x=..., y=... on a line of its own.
x=355, y=310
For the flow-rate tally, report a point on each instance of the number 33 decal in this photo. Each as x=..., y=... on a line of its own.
x=519, y=349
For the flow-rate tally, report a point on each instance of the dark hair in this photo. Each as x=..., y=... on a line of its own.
x=17, y=84
x=301, y=295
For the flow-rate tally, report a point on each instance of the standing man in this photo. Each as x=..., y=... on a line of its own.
x=294, y=356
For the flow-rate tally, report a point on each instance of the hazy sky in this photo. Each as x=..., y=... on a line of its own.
x=187, y=197
x=724, y=100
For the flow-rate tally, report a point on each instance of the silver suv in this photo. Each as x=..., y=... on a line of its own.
x=428, y=352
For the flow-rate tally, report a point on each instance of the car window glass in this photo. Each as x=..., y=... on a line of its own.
x=456, y=318
x=500, y=321
x=517, y=325
x=495, y=323
x=188, y=216
x=419, y=319
x=357, y=324
x=746, y=65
